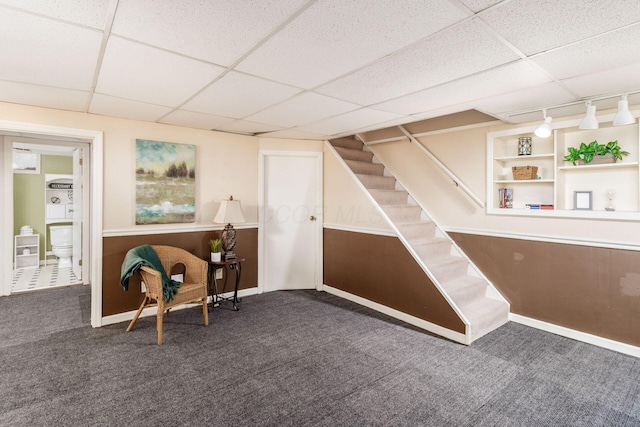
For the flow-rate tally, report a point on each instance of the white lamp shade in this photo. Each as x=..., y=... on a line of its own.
x=623, y=116
x=590, y=121
x=544, y=130
x=230, y=212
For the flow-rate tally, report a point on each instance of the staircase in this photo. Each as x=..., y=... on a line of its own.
x=443, y=261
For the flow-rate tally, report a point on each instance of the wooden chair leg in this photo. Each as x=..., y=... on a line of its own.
x=205, y=312
x=135, y=318
x=159, y=326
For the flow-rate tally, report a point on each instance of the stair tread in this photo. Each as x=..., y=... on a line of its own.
x=347, y=143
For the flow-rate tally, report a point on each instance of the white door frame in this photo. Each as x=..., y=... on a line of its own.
x=95, y=139
x=262, y=156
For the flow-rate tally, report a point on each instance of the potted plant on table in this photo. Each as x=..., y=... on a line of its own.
x=216, y=248
x=596, y=153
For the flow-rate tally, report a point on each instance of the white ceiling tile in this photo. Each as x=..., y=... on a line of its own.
x=479, y=5
x=450, y=109
x=617, y=48
x=295, y=134
x=507, y=78
x=425, y=64
x=90, y=13
x=219, y=31
x=244, y=126
x=43, y=96
x=302, y=109
x=118, y=107
x=537, y=97
x=537, y=26
x=334, y=37
x=195, y=120
x=143, y=73
x=46, y=52
x=351, y=121
x=239, y=95
x=616, y=80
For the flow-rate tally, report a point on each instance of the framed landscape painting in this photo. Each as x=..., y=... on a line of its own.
x=165, y=182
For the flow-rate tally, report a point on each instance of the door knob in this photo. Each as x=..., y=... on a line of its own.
x=312, y=218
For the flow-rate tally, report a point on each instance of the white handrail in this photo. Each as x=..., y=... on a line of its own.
x=441, y=165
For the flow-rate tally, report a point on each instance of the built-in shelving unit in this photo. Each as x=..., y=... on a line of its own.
x=58, y=204
x=558, y=180
x=26, y=251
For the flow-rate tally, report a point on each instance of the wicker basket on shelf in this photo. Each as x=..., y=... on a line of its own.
x=524, y=172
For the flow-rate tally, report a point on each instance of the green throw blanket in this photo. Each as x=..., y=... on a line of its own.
x=145, y=255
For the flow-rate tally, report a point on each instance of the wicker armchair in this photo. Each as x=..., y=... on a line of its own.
x=192, y=290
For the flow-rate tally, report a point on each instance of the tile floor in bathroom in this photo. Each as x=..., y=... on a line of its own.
x=43, y=277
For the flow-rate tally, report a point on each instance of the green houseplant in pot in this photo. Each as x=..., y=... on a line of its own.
x=586, y=153
x=216, y=249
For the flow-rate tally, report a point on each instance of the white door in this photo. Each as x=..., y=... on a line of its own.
x=290, y=233
x=76, y=257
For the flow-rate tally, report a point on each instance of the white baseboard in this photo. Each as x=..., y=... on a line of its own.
x=577, y=335
x=412, y=320
x=151, y=311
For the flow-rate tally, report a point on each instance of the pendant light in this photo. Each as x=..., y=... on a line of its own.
x=590, y=121
x=623, y=116
x=544, y=130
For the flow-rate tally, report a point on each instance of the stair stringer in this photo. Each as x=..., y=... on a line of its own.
x=473, y=295
x=454, y=336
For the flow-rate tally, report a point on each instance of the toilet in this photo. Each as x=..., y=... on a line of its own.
x=62, y=244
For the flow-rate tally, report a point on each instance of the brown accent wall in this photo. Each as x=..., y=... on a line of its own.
x=380, y=269
x=589, y=289
x=114, y=298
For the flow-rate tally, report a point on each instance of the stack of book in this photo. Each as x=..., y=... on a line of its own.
x=535, y=206
x=505, y=197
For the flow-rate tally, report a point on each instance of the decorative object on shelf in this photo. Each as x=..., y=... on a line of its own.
x=26, y=251
x=587, y=153
x=230, y=212
x=524, y=146
x=611, y=194
x=216, y=247
x=524, y=172
x=583, y=200
x=590, y=121
x=506, y=198
x=544, y=130
x=623, y=116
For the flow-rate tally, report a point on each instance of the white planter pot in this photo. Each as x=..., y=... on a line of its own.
x=216, y=256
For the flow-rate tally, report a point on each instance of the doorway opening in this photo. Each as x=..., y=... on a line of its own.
x=50, y=228
x=91, y=225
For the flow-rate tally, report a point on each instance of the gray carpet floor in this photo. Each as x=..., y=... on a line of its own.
x=297, y=358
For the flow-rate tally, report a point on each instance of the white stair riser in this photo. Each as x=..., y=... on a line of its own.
x=437, y=248
x=422, y=229
x=365, y=168
x=450, y=270
x=389, y=197
x=351, y=154
x=404, y=213
x=381, y=182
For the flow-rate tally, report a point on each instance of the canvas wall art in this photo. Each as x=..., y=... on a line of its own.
x=165, y=182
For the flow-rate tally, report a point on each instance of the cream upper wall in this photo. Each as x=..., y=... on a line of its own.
x=464, y=152
x=226, y=164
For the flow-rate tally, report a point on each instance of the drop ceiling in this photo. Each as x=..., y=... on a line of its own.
x=317, y=69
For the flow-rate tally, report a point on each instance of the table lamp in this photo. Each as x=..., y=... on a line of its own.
x=230, y=212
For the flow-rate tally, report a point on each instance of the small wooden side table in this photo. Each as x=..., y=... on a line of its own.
x=227, y=265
